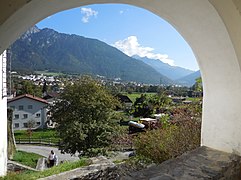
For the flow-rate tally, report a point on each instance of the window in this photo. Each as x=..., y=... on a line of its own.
x=16, y=116
x=25, y=116
x=25, y=125
x=38, y=115
x=16, y=125
x=30, y=106
x=38, y=123
x=20, y=107
x=12, y=107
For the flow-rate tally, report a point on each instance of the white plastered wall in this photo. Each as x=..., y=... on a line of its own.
x=3, y=125
x=203, y=28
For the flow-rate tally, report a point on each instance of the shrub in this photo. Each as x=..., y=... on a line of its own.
x=170, y=142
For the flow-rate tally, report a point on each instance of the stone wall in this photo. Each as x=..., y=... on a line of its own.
x=202, y=163
x=14, y=167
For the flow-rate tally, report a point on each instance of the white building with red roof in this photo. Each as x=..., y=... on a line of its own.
x=28, y=109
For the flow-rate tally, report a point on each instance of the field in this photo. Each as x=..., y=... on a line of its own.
x=133, y=96
x=47, y=73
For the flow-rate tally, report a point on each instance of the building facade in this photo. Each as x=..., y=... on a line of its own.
x=28, y=111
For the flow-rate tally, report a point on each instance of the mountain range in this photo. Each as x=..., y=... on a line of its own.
x=172, y=72
x=189, y=80
x=47, y=49
x=178, y=74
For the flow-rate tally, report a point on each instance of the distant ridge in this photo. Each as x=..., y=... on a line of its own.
x=189, y=80
x=172, y=72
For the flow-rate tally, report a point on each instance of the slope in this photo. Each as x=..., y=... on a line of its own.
x=172, y=72
x=47, y=49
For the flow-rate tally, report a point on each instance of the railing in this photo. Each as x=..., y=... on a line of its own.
x=42, y=141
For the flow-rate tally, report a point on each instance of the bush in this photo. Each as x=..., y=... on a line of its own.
x=170, y=142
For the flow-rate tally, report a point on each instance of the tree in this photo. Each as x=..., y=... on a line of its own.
x=84, y=117
x=160, y=100
x=198, y=85
x=27, y=87
x=146, y=105
x=143, y=106
x=11, y=139
x=30, y=124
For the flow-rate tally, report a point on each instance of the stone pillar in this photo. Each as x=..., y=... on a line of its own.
x=3, y=121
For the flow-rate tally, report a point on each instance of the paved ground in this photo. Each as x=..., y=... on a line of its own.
x=45, y=150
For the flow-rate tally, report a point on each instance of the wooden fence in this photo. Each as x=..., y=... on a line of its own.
x=42, y=141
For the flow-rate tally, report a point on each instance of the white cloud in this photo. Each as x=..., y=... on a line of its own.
x=121, y=12
x=131, y=47
x=88, y=13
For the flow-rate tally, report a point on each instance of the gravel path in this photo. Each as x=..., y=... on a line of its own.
x=45, y=150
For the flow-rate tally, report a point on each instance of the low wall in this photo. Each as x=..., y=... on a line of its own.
x=202, y=163
x=14, y=166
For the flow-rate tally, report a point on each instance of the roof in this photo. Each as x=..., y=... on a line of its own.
x=30, y=97
x=124, y=98
x=50, y=96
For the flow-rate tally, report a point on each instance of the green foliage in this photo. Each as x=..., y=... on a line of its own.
x=143, y=106
x=179, y=133
x=30, y=175
x=170, y=142
x=198, y=85
x=160, y=100
x=165, y=121
x=84, y=117
x=28, y=159
x=27, y=87
x=146, y=105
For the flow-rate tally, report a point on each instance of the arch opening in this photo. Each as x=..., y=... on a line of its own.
x=207, y=30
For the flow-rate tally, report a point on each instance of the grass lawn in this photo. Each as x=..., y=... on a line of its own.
x=133, y=96
x=30, y=175
x=44, y=134
x=38, y=136
x=28, y=159
x=194, y=99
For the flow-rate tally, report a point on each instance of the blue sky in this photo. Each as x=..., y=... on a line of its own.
x=133, y=30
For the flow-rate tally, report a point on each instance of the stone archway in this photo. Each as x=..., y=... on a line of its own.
x=211, y=27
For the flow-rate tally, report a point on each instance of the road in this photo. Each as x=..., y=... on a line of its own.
x=45, y=150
